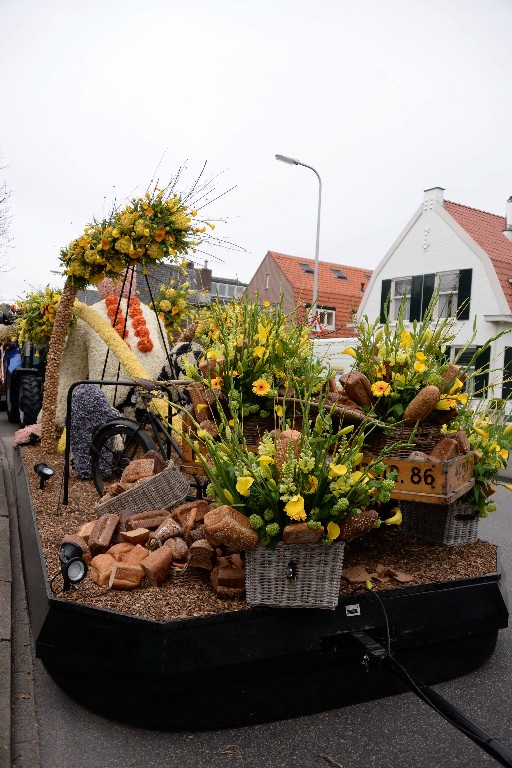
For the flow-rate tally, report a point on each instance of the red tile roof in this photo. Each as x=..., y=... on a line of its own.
x=486, y=229
x=343, y=295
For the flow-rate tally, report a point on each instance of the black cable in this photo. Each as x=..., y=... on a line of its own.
x=449, y=712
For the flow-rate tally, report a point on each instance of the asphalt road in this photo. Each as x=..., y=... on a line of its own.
x=397, y=732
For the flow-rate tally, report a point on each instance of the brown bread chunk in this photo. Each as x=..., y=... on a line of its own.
x=157, y=566
x=117, y=551
x=201, y=555
x=178, y=548
x=357, y=525
x=225, y=525
x=462, y=441
x=138, y=469
x=102, y=533
x=136, y=555
x=125, y=576
x=421, y=405
x=101, y=568
x=445, y=450
x=138, y=536
x=299, y=533
x=357, y=387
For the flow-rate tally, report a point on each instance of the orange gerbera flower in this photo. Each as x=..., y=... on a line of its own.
x=261, y=387
x=160, y=234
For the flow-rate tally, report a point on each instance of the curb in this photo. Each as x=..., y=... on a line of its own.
x=5, y=619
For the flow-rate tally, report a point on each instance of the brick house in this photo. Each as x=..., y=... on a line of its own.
x=468, y=254
x=340, y=289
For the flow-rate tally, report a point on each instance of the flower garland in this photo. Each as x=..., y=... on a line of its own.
x=117, y=319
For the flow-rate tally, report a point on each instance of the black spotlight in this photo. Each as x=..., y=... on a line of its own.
x=72, y=564
x=44, y=472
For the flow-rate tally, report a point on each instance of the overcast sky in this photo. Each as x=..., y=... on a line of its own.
x=385, y=98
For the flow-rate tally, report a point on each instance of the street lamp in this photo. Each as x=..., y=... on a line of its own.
x=292, y=161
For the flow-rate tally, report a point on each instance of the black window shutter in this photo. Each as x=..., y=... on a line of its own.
x=386, y=289
x=506, y=390
x=416, y=294
x=428, y=289
x=447, y=352
x=483, y=361
x=464, y=294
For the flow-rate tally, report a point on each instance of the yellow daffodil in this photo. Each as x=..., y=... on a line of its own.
x=264, y=459
x=398, y=377
x=243, y=485
x=259, y=351
x=396, y=519
x=457, y=385
x=483, y=435
x=295, y=508
x=421, y=357
x=445, y=404
x=419, y=367
x=349, y=351
x=508, y=429
x=380, y=388
x=355, y=477
x=337, y=470
x=333, y=530
x=504, y=453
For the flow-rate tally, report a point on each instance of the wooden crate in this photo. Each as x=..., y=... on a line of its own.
x=431, y=482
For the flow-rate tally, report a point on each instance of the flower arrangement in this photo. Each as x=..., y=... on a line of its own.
x=173, y=306
x=399, y=363
x=314, y=477
x=255, y=352
x=37, y=311
x=490, y=437
x=150, y=228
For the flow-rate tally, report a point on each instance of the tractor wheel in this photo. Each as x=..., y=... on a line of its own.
x=30, y=399
x=11, y=396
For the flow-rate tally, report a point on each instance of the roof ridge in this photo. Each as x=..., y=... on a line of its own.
x=335, y=264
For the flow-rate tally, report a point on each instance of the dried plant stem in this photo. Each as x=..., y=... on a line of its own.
x=53, y=364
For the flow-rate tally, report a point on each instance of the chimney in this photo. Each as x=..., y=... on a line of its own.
x=430, y=196
x=508, y=220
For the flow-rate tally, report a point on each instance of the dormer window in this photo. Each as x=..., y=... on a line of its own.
x=339, y=274
x=307, y=269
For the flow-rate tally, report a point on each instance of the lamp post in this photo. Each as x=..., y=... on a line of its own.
x=292, y=161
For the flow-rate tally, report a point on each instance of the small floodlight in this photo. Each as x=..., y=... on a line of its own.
x=72, y=565
x=44, y=472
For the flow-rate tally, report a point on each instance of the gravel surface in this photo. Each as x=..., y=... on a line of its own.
x=389, y=556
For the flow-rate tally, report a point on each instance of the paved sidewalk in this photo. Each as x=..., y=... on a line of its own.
x=5, y=616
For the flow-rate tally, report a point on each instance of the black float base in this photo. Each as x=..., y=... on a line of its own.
x=252, y=666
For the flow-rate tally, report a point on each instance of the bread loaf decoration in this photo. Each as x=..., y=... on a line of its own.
x=422, y=405
x=357, y=387
x=225, y=525
x=358, y=525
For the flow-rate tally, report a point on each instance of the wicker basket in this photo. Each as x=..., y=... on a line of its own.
x=425, y=437
x=162, y=491
x=294, y=575
x=449, y=525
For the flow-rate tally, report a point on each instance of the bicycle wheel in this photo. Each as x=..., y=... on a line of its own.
x=113, y=446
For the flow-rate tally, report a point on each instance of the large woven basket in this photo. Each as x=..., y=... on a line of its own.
x=162, y=491
x=294, y=575
x=447, y=525
x=425, y=438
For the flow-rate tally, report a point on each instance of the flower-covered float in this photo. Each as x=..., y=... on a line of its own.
x=182, y=592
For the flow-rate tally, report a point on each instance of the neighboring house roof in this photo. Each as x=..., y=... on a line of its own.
x=486, y=229
x=339, y=286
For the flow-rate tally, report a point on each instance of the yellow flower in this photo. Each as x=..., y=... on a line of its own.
x=421, y=357
x=419, y=367
x=349, y=351
x=504, y=453
x=266, y=303
x=259, y=351
x=217, y=383
x=261, y=387
x=380, y=388
x=458, y=384
x=200, y=407
x=264, y=459
x=445, y=404
x=243, y=485
x=406, y=339
x=279, y=411
x=483, y=435
x=312, y=484
x=295, y=508
x=508, y=486
x=228, y=496
x=337, y=470
x=356, y=476
x=231, y=422
x=333, y=530
x=396, y=519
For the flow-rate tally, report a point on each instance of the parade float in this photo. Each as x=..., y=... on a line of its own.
x=243, y=598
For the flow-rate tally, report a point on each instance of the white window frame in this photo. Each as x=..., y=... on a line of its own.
x=396, y=299
x=448, y=297
x=327, y=319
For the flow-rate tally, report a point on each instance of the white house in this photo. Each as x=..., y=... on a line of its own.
x=468, y=253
